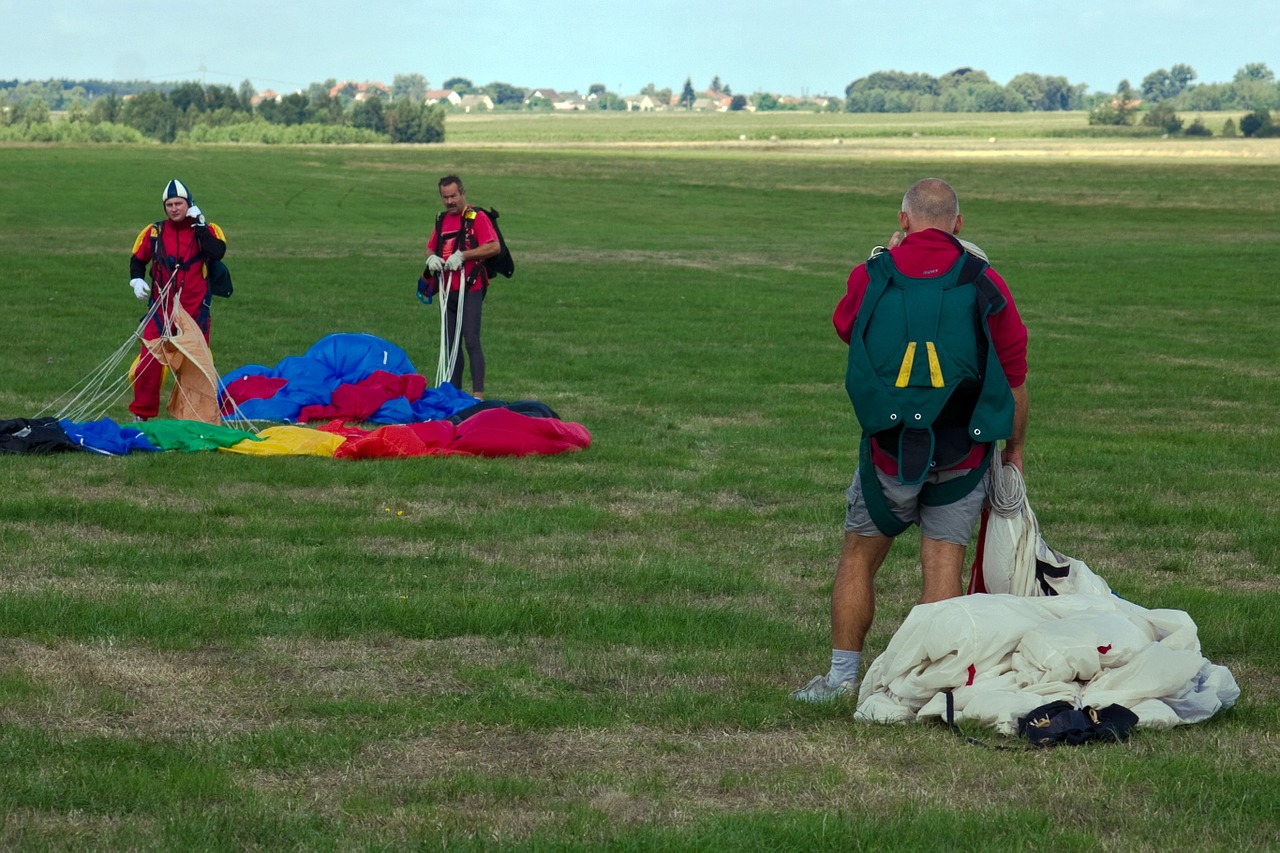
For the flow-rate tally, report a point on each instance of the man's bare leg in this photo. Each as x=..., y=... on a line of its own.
x=853, y=607
x=941, y=564
x=853, y=596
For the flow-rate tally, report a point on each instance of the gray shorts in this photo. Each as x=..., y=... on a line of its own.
x=951, y=523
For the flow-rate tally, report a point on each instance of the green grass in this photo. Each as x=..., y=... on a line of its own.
x=562, y=128
x=217, y=652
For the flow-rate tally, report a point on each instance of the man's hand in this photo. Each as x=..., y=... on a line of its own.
x=140, y=287
x=896, y=240
x=455, y=262
x=194, y=214
x=435, y=263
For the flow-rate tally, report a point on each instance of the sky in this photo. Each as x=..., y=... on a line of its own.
x=794, y=48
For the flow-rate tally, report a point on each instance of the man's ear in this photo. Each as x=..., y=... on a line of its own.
x=904, y=222
x=959, y=224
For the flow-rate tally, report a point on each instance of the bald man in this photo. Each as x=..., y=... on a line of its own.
x=937, y=376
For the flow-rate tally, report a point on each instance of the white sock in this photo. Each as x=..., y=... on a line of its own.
x=844, y=666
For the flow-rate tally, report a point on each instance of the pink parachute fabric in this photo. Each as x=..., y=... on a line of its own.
x=502, y=432
x=492, y=432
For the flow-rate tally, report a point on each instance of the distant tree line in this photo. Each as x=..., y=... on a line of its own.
x=194, y=111
x=971, y=90
x=1164, y=92
x=965, y=90
x=97, y=110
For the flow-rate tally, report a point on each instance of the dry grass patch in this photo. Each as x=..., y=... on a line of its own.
x=496, y=781
x=116, y=690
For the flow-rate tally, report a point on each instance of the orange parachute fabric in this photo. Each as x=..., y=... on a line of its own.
x=195, y=380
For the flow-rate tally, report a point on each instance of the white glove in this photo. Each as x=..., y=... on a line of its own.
x=434, y=264
x=454, y=262
x=140, y=287
x=193, y=212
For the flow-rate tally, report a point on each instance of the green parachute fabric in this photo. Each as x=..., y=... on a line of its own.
x=192, y=436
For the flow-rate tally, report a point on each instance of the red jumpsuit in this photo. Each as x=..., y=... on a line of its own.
x=168, y=246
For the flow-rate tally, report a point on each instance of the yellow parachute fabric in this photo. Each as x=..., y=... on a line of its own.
x=289, y=441
x=187, y=355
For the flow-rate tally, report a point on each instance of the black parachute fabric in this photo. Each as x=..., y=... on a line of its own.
x=34, y=435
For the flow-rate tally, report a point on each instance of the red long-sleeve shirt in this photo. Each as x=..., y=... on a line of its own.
x=928, y=254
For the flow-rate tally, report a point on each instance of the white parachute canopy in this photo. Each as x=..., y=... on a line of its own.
x=1049, y=629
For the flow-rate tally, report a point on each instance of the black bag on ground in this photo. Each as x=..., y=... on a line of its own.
x=1063, y=723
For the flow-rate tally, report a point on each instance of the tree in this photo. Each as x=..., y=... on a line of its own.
x=715, y=83
x=461, y=85
x=1255, y=71
x=687, y=96
x=1197, y=128
x=960, y=76
x=415, y=122
x=151, y=114
x=1162, y=85
x=320, y=91
x=411, y=86
x=289, y=110
x=186, y=95
x=1255, y=123
x=1229, y=128
x=325, y=110
x=765, y=101
x=739, y=102
x=597, y=89
x=1181, y=75
x=1162, y=116
x=610, y=101
x=368, y=114
x=1209, y=97
x=1254, y=87
x=247, y=93
x=505, y=93
x=106, y=108
x=1032, y=88
x=1061, y=95
x=899, y=81
x=1116, y=110
x=33, y=110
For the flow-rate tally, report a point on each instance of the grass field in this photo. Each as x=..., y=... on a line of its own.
x=215, y=652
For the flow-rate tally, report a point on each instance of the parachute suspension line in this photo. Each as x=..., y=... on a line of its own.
x=449, y=354
x=236, y=419
x=1008, y=493
x=93, y=396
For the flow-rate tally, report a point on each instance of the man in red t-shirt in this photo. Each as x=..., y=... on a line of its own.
x=930, y=220
x=456, y=250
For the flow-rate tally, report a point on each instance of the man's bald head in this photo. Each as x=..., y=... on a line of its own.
x=931, y=203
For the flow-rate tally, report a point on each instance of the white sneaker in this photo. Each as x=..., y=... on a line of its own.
x=820, y=690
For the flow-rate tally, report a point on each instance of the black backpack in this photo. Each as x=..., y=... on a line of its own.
x=500, y=264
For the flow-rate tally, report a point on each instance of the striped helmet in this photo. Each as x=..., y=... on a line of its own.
x=177, y=189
